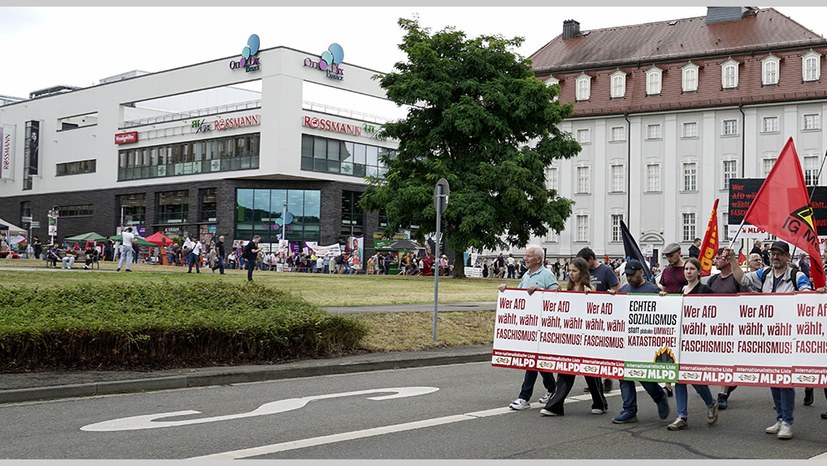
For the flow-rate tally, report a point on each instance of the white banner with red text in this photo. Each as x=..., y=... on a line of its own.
x=748, y=339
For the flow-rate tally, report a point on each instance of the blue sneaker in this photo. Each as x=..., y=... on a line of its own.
x=625, y=417
x=663, y=408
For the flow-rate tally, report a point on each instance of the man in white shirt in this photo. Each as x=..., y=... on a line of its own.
x=195, y=255
x=126, y=251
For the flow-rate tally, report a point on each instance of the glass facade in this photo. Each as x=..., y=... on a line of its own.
x=173, y=207
x=76, y=168
x=191, y=157
x=132, y=209
x=343, y=158
x=258, y=209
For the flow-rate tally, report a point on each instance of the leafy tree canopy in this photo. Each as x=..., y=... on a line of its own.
x=480, y=119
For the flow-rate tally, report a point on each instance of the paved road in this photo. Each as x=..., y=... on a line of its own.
x=458, y=412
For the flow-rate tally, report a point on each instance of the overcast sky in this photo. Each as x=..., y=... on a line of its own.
x=47, y=46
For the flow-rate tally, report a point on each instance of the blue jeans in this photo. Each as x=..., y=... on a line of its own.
x=629, y=395
x=195, y=259
x=784, y=400
x=681, y=395
x=219, y=264
x=531, y=378
x=125, y=254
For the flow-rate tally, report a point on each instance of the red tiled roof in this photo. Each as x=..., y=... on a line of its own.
x=761, y=29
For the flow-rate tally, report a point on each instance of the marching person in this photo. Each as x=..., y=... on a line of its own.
x=637, y=285
x=579, y=282
x=692, y=273
x=537, y=278
x=195, y=255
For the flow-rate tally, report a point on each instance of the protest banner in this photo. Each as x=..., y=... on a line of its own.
x=748, y=339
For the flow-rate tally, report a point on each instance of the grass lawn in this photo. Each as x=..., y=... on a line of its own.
x=388, y=332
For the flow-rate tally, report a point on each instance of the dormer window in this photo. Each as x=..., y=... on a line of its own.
x=583, y=86
x=811, y=66
x=689, y=75
x=653, y=81
x=729, y=74
x=618, y=80
x=769, y=70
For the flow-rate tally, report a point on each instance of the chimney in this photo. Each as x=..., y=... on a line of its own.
x=571, y=29
x=721, y=14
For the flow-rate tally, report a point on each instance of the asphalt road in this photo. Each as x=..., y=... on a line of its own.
x=458, y=411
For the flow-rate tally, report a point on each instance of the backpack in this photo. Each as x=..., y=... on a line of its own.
x=793, y=275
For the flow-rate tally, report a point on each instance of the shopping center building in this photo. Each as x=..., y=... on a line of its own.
x=222, y=147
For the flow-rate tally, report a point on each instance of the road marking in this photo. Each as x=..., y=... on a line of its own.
x=151, y=421
x=357, y=434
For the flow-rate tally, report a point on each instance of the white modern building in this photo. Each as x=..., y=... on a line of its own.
x=221, y=147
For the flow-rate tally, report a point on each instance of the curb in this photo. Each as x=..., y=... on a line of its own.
x=230, y=376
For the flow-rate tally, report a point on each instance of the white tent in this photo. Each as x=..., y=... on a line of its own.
x=10, y=229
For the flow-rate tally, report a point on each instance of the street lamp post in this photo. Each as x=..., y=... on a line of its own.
x=441, y=192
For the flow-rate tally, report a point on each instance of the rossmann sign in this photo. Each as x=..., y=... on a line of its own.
x=223, y=124
x=330, y=125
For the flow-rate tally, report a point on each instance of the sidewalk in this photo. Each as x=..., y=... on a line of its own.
x=47, y=385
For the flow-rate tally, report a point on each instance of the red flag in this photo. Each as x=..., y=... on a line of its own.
x=782, y=208
x=742, y=259
x=709, y=246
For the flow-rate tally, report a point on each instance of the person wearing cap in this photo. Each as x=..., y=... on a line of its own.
x=672, y=280
x=637, y=285
x=536, y=278
x=778, y=278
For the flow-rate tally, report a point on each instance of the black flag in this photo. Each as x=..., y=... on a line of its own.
x=632, y=251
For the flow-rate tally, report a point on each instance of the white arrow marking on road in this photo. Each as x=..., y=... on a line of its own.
x=150, y=421
x=357, y=434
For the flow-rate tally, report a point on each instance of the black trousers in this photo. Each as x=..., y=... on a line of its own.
x=565, y=382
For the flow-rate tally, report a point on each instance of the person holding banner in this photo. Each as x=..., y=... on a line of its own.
x=692, y=273
x=778, y=278
x=602, y=278
x=636, y=284
x=579, y=282
x=537, y=278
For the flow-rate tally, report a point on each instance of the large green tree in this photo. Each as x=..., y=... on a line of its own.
x=480, y=119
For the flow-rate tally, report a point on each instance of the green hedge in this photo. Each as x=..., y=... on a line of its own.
x=164, y=325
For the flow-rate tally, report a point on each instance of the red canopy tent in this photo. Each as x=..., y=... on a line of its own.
x=159, y=239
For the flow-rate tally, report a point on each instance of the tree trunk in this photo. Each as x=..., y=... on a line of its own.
x=459, y=266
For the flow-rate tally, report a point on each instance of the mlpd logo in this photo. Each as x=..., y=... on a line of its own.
x=330, y=62
x=249, y=60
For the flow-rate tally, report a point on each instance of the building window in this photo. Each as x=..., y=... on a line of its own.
x=811, y=171
x=729, y=74
x=78, y=210
x=769, y=125
x=617, y=236
x=344, y=158
x=25, y=210
x=173, y=207
x=618, y=79
x=583, y=86
x=730, y=128
x=209, y=205
x=584, y=136
x=652, y=177
x=551, y=179
x=653, y=81
x=188, y=158
x=618, y=178
x=811, y=67
x=132, y=209
x=690, y=176
x=769, y=70
x=767, y=164
x=812, y=122
x=258, y=209
x=353, y=217
x=76, y=168
x=653, y=132
x=688, y=226
x=582, y=228
x=729, y=170
x=690, y=129
x=689, y=78
x=618, y=133
x=552, y=237
x=724, y=219
x=583, y=180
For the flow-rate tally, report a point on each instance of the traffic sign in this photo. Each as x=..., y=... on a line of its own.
x=26, y=218
x=34, y=224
